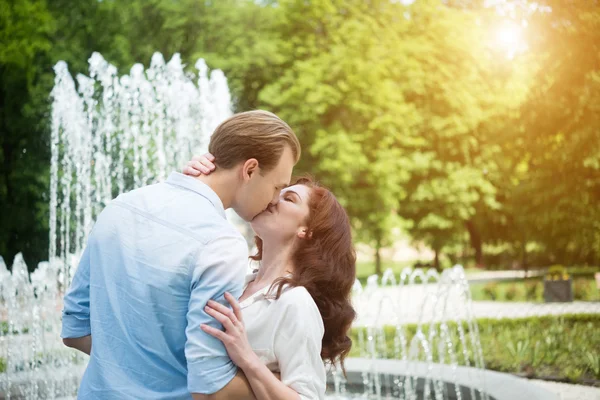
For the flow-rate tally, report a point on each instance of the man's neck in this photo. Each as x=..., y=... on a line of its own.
x=223, y=183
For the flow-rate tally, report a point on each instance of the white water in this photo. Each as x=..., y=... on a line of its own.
x=446, y=334
x=110, y=134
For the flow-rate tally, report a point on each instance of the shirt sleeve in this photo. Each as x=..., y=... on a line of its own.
x=298, y=345
x=220, y=268
x=76, y=303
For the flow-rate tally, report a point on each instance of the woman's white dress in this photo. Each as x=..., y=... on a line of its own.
x=286, y=334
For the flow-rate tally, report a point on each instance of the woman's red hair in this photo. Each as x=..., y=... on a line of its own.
x=325, y=264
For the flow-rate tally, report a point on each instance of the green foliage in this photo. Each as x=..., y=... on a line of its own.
x=533, y=290
x=557, y=347
x=412, y=115
x=557, y=273
x=585, y=290
x=593, y=363
x=490, y=291
x=2, y=365
x=512, y=292
x=530, y=290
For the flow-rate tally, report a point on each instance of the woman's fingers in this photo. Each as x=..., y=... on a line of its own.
x=237, y=311
x=200, y=165
x=197, y=165
x=219, y=334
x=190, y=170
x=223, y=319
x=223, y=310
x=206, y=160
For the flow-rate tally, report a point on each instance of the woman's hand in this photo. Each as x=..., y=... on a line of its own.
x=234, y=338
x=200, y=165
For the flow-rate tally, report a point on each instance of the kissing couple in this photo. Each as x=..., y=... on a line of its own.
x=163, y=300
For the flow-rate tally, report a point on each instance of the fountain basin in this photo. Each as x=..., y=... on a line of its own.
x=497, y=385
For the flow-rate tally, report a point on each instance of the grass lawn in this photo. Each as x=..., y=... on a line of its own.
x=550, y=347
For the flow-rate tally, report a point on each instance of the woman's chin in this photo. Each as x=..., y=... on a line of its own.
x=262, y=227
x=257, y=224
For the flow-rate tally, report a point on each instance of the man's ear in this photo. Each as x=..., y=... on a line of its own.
x=250, y=168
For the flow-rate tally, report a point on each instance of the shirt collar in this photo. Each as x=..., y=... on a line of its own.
x=189, y=183
x=262, y=294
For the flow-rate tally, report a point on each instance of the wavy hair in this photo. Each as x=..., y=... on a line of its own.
x=325, y=264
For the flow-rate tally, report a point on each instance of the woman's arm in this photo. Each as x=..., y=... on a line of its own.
x=265, y=385
x=83, y=344
x=238, y=388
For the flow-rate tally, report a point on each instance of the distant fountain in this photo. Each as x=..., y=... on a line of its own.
x=109, y=135
x=418, y=340
x=446, y=335
x=114, y=134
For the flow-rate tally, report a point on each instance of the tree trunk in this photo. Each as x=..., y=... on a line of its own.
x=436, y=260
x=378, y=257
x=476, y=243
x=524, y=264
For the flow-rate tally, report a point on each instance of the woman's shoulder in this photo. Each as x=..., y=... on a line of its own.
x=299, y=300
x=299, y=310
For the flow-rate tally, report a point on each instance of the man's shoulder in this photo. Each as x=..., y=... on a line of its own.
x=178, y=209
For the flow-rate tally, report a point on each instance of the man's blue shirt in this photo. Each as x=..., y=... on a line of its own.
x=154, y=258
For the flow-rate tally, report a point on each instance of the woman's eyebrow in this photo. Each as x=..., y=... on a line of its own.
x=291, y=191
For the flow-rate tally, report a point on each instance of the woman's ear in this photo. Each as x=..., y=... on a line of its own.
x=303, y=233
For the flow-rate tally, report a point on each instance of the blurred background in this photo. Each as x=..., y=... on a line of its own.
x=458, y=131
x=453, y=131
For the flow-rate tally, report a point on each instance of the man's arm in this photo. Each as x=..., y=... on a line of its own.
x=83, y=344
x=76, y=329
x=220, y=267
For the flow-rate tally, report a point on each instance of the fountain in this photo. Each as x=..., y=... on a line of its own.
x=440, y=359
x=116, y=134
x=109, y=135
x=112, y=134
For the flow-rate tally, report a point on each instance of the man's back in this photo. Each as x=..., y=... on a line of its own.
x=154, y=258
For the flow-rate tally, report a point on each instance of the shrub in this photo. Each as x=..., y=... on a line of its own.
x=490, y=291
x=592, y=360
x=511, y=293
x=557, y=347
x=533, y=290
x=557, y=273
x=581, y=290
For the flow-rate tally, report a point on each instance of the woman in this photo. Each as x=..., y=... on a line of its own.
x=295, y=311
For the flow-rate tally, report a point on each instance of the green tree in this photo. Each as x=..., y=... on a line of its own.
x=26, y=28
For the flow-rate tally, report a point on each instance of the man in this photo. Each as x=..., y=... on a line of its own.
x=156, y=256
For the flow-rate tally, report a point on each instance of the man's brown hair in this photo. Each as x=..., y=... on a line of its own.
x=252, y=134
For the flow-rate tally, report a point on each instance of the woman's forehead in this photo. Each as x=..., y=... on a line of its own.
x=302, y=190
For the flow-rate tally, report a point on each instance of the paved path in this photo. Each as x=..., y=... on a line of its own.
x=488, y=276
x=570, y=392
